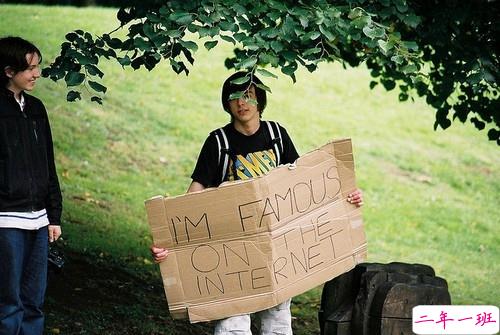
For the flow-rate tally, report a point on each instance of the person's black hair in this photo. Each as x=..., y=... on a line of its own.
x=229, y=88
x=13, y=51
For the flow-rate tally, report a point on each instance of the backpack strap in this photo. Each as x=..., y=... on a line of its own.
x=223, y=150
x=275, y=132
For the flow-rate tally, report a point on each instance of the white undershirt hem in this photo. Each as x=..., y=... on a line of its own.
x=24, y=220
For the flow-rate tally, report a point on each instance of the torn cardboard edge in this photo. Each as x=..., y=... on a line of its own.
x=249, y=245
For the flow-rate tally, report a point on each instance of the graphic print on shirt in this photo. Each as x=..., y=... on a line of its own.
x=253, y=165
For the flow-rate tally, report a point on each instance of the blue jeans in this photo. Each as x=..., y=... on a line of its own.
x=23, y=280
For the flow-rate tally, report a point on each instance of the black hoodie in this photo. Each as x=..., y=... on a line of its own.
x=28, y=178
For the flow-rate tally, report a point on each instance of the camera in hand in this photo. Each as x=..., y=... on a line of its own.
x=56, y=259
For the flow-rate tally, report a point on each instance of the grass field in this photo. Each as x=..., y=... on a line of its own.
x=430, y=196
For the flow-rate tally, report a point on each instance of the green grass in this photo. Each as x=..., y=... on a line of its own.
x=430, y=196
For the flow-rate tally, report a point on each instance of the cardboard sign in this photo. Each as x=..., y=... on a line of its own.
x=250, y=245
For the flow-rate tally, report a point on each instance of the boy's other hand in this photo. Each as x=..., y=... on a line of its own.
x=158, y=254
x=356, y=198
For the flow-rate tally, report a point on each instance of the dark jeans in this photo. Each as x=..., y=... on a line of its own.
x=23, y=280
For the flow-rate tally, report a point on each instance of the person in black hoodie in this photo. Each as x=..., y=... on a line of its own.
x=30, y=196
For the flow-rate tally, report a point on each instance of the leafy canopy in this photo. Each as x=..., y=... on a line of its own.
x=445, y=51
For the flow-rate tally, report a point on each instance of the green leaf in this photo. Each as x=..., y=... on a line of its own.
x=398, y=59
x=329, y=36
x=71, y=37
x=493, y=135
x=403, y=96
x=141, y=43
x=179, y=67
x=228, y=39
x=311, y=67
x=210, y=44
x=97, y=87
x=74, y=78
x=160, y=39
x=298, y=31
x=240, y=81
x=289, y=69
x=247, y=63
x=236, y=95
x=114, y=43
x=175, y=66
x=94, y=70
x=88, y=37
x=174, y=33
x=311, y=51
x=478, y=123
x=288, y=26
x=411, y=45
x=153, y=18
x=361, y=21
x=193, y=28
x=251, y=46
x=240, y=37
x=445, y=123
x=164, y=10
x=181, y=18
x=334, y=12
x=228, y=26
x=125, y=61
x=214, y=31
x=54, y=73
x=385, y=46
x=410, y=68
x=320, y=18
x=268, y=58
x=214, y=16
x=277, y=5
x=149, y=30
x=276, y=45
x=401, y=5
x=274, y=15
x=189, y=45
x=123, y=15
x=474, y=78
x=73, y=95
x=304, y=21
x=375, y=32
x=388, y=84
x=188, y=55
x=240, y=10
x=266, y=73
x=355, y=13
x=96, y=99
x=269, y=32
x=412, y=20
x=312, y=35
x=488, y=76
x=252, y=101
x=289, y=55
x=206, y=31
x=264, y=87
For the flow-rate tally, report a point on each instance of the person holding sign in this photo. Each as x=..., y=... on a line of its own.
x=245, y=148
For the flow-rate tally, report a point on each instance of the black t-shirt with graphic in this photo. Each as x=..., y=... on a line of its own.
x=250, y=156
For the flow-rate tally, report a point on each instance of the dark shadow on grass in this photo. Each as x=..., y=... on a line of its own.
x=92, y=297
